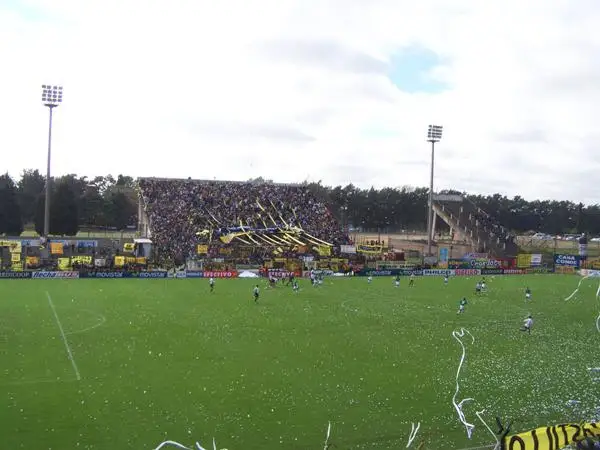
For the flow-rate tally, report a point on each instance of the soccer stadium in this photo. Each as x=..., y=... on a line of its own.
x=338, y=226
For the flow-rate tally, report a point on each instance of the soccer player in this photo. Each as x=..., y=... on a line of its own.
x=527, y=294
x=446, y=280
x=527, y=324
x=478, y=287
x=295, y=286
x=461, y=306
x=211, y=283
x=369, y=279
x=411, y=281
x=397, y=281
x=290, y=279
x=256, y=292
x=483, y=286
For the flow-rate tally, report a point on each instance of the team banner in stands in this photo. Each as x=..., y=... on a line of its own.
x=551, y=438
x=323, y=250
x=372, y=249
x=13, y=246
x=64, y=264
x=119, y=261
x=350, y=249
x=32, y=261
x=15, y=257
x=523, y=260
x=56, y=248
x=202, y=249
x=128, y=247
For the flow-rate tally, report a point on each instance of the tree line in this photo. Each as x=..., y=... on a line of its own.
x=76, y=202
x=405, y=208
x=104, y=201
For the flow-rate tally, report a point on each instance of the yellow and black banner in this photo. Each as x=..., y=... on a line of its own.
x=13, y=246
x=551, y=438
x=128, y=247
x=119, y=261
x=523, y=260
x=202, y=249
x=56, y=248
x=64, y=264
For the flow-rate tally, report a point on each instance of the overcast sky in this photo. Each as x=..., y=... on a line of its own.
x=334, y=90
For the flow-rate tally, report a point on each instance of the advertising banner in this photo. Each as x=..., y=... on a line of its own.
x=15, y=275
x=106, y=275
x=194, y=274
x=439, y=272
x=566, y=270
x=532, y=270
x=492, y=271
x=567, y=260
x=157, y=274
x=514, y=271
x=55, y=275
x=467, y=272
x=220, y=274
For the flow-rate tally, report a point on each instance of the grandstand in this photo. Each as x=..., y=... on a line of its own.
x=470, y=223
x=173, y=211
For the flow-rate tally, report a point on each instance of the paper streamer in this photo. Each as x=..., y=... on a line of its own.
x=479, y=415
x=458, y=335
x=576, y=290
x=598, y=318
x=183, y=447
x=413, y=433
x=326, y=446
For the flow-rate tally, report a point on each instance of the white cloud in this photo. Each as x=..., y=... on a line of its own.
x=290, y=89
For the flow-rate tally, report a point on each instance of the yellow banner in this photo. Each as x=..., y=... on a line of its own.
x=551, y=438
x=56, y=248
x=14, y=246
x=81, y=259
x=128, y=247
x=141, y=260
x=64, y=264
x=119, y=261
x=32, y=260
x=202, y=249
x=17, y=267
x=130, y=260
x=324, y=250
x=523, y=260
x=15, y=257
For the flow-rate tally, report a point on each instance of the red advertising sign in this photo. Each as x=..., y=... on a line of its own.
x=221, y=274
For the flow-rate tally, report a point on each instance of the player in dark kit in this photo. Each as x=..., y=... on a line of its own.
x=290, y=279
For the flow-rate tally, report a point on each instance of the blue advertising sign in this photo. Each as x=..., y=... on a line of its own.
x=567, y=260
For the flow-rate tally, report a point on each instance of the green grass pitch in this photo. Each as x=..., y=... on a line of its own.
x=164, y=359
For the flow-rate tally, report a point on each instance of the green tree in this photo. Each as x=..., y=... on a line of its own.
x=30, y=186
x=10, y=212
x=121, y=211
x=64, y=214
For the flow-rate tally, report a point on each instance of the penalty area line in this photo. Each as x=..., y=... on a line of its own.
x=64, y=337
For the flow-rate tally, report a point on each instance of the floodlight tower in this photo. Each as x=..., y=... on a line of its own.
x=434, y=134
x=51, y=98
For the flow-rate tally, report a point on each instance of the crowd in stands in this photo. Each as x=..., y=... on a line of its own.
x=490, y=224
x=178, y=209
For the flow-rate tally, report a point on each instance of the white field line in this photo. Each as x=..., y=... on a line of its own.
x=64, y=338
x=101, y=322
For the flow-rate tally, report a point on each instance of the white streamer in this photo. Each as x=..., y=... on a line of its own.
x=326, y=446
x=197, y=446
x=458, y=406
x=413, y=433
x=576, y=290
x=479, y=414
x=598, y=318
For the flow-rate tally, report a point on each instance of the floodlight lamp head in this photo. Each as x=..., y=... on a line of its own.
x=434, y=133
x=52, y=95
